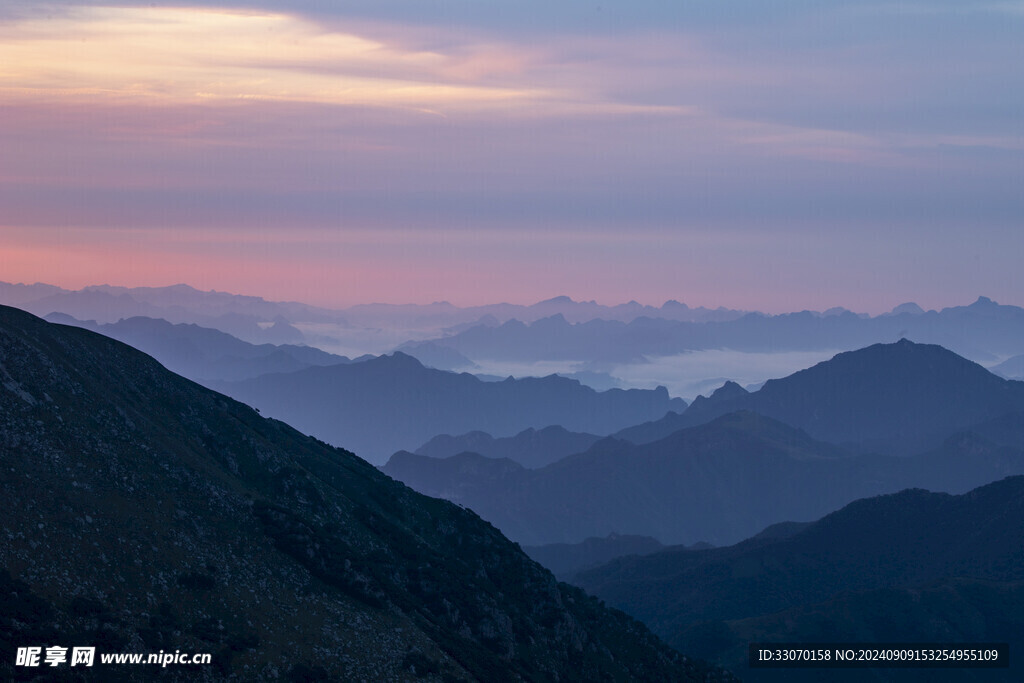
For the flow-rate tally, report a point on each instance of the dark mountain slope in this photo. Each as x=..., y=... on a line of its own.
x=392, y=402
x=144, y=513
x=899, y=398
x=899, y=541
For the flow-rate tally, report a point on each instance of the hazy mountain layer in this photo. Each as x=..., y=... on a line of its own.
x=1011, y=368
x=719, y=482
x=531, y=448
x=108, y=304
x=442, y=358
x=205, y=354
x=146, y=513
x=246, y=317
x=447, y=315
x=381, y=405
x=983, y=331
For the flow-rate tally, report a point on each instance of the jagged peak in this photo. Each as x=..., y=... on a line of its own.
x=728, y=390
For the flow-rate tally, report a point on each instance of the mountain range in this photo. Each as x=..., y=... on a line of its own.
x=249, y=318
x=983, y=331
x=385, y=404
x=947, y=424
x=555, y=329
x=717, y=483
x=455, y=317
x=239, y=314
x=209, y=356
x=144, y=512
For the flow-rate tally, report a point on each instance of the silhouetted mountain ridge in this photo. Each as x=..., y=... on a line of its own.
x=393, y=402
x=950, y=425
x=531, y=448
x=718, y=482
x=899, y=398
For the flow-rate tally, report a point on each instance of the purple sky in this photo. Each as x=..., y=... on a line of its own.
x=772, y=156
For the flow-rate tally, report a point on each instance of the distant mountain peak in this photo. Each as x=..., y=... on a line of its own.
x=728, y=390
x=402, y=359
x=182, y=287
x=908, y=308
x=871, y=361
x=563, y=299
x=752, y=422
x=897, y=398
x=557, y=319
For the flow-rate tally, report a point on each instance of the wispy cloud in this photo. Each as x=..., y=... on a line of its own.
x=149, y=56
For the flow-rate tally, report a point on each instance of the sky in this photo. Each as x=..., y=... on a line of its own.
x=775, y=156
